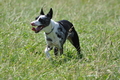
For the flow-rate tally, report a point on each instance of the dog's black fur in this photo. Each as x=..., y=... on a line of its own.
x=58, y=33
x=72, y=35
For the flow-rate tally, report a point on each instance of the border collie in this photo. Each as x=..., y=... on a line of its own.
x=56, y=33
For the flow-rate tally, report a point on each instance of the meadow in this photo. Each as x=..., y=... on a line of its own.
x=97, y=23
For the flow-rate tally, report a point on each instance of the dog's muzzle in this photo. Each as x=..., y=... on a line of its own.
x=38, y=29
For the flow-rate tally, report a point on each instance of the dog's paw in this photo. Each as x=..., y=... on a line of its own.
x=80, y=56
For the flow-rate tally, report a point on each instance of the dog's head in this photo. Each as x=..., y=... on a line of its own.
x=42, y=21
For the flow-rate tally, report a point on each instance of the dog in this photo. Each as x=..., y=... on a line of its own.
x=56, y=33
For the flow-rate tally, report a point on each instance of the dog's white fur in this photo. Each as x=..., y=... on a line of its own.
x=55, y=40
x=52, y=35
x=56, y=33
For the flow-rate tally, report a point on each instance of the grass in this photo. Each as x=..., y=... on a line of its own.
x=22, y=51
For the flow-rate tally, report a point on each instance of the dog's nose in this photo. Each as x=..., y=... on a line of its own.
x=32, y=23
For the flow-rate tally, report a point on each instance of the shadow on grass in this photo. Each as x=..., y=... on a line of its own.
x=68, y=57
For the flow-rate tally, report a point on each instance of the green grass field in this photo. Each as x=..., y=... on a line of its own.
x=22, y=51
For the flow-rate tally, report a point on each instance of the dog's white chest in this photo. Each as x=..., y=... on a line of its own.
x=52, y=40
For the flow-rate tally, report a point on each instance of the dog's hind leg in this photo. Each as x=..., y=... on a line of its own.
x=47, y=49
x=73, y=38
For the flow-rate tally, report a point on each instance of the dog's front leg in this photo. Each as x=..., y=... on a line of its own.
x=61, y=50
x=56, y=51
x=47, y=49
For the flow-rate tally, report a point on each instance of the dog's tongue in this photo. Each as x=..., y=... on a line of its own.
x=36, y=29
x=39, y=28
x=33, y=29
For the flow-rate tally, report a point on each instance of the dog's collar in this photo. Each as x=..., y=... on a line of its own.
x=50, y=31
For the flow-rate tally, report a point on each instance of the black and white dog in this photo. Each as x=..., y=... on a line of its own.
x=56, y=33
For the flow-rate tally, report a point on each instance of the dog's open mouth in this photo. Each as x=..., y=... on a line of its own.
x=38, y=29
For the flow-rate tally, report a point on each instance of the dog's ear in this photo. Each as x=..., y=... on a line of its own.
x=50, y=13
x=41, y=13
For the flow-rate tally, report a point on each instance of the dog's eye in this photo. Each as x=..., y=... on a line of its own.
x=36, y=18
x=42, y=21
